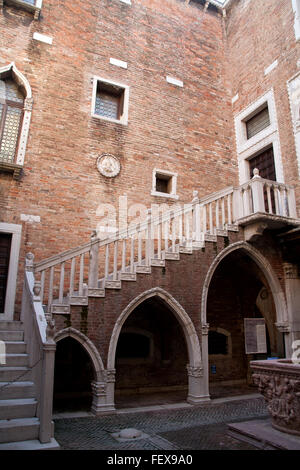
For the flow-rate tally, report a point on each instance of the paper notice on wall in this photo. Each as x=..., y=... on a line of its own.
x=255, y=336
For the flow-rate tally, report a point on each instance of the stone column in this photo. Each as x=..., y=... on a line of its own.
x=196, y=392
x=99, y=404
x=204, y=347
x=292, y=288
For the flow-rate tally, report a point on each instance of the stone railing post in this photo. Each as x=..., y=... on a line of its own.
x=257, y=192
x=94, y=260
x=46, y=394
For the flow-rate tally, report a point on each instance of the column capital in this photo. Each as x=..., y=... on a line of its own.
x=195, y=372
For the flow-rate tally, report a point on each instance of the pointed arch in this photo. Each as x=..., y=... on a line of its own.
x=89, y=347
x=192, y=340
x=18, y=77
x=266, y=268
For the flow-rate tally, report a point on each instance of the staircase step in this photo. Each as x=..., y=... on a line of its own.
x=18, y=360
x=141, y=269
x=11, y=335
x=14, y=430
x=127, y=276
x=169, y=255
x=8, y=374
x=15, y=347
x=112, y=284
x=18, y=408
x=11, y=325
x=11, y=390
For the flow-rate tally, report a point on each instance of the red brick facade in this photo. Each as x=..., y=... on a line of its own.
x=187, y=130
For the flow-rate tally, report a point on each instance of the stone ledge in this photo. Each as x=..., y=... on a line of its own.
x=261, y=434
x=24, y=6
x=13, y=168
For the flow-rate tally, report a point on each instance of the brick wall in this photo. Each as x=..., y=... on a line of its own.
x=259, y=32
x=186, y=130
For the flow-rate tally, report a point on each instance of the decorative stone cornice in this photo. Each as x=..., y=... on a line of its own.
x=283, y=327
x=110, y=375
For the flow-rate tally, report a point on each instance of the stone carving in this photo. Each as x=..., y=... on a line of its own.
x=279, y=383
x=195, y=372
x=110, y=375
x=29, y=262
x=108, y=165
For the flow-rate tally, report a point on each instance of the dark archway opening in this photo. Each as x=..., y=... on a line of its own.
x=238, y=291
x=151, y=357
x=73, y=374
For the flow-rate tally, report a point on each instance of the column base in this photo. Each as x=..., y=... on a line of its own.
x=195, y=400
x=102, y=409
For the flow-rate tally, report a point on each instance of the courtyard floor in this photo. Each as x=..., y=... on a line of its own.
x=166, y=427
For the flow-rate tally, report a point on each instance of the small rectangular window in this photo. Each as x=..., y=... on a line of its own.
x=110, y=101
x=258, y=122
x=164, y=184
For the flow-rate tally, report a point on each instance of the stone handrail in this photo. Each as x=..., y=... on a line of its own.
x=41, y=350
x=103, y=263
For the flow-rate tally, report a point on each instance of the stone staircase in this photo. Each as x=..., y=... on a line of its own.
x=19, y=424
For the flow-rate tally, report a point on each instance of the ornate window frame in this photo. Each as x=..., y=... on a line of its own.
x=269, y=136
x=19, y=78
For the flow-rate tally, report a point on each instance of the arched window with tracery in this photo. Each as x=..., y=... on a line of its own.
x=11, y=113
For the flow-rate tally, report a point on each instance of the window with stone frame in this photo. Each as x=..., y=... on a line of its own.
x=11, y=115
x=110, y=101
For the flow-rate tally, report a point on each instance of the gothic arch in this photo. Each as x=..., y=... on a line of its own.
x=263, y=264
x=193, y=345
x=89, y=347
x=18, y=77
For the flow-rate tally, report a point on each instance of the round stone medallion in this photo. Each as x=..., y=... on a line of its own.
x=108, y=165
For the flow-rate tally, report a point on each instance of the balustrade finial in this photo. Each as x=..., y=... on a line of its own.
x=195, y=196
x=256, y=173
x=29, y=262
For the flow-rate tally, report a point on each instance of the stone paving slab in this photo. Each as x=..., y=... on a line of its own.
x=199, y=427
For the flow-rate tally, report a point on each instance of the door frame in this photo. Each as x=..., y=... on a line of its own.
x=15, y=230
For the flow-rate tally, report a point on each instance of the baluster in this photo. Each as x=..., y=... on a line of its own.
x=276, y=194
x=180, y=229
x=61, y=284
x=166, y=226
x=204, y=218
x=115, y=271
x=80, y=293
x=42, y=285
x=123, y=255
x=132, y=255
x=106, y=269
x=229, y=203
x=211, y=229
x=284, y=202
x=270, y=208
x=217, y=214
x=140, y=248
x=223, y=212
x=50, y=296
x=159, y=229
x=173, y=233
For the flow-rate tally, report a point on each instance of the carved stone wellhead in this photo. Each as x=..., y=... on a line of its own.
x=279, y=382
